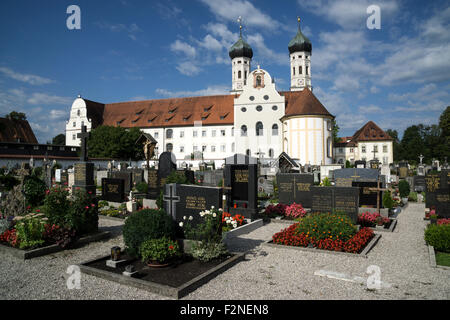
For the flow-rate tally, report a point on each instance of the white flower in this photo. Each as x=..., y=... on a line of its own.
x=184, y=217
x=190, y=218
x=220, y=209
x=181, y=224
x=212, y=207
x=228, y=221
x=214, y=215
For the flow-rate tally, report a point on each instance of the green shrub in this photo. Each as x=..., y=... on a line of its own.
x=30, y=230
x=160, y=250
x=403, y=188
x=438, y=236
x=34, y=190
x=177, y=177
x=8, y=181
x=326, y=182
x=321, y=226
x=387, y=200
x=57, y=205
x=146, y=224
x=142, y=187
x=159, y=200
x=412, y=196
x=207, y=251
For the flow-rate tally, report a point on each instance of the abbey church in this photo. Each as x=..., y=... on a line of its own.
x=254, y=119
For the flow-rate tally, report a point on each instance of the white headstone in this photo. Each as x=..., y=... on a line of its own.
x=58, y=175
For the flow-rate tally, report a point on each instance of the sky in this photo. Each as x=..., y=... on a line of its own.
x=397, y=75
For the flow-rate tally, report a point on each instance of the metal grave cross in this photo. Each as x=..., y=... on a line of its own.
x=83, y=135
x=171, y=199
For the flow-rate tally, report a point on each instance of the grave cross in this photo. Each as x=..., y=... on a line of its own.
x=83, y=135
x=172, y=200
x=421, y=158
x=377, y=189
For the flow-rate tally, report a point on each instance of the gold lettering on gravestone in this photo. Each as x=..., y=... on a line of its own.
x=443, y=198
x=344, y=182
x=152, y=179
x=196, y=203
x=285, y=187
x=303, y=186
x=366, y=190
x=241, y=176
x=113, y=188
x=433, y=183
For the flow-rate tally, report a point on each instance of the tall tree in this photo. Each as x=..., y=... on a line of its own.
x=115, y=142
x=412, y=143
x=14, y=115
x=335, y=132
x=397, y=148
x=60, y=139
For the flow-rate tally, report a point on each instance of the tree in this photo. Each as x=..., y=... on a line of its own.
x=335, y=132
x=15, y=116
x=60, y=139
x=444, y=126
x=115, y=142
x=412, y=142
x=397, y=148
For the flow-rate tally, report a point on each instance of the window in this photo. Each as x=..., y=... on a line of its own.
x=351, y=150
x=232, y=132
x=258, y=81
x=248, y=152
x=78, y=112
x=329, y=147
x=274, y=108
x=213, y=148
x=293, y=71
x=222, y=133
x=307, y=70
x=245, y=74
x=259, y=128
x=169, y=134
x=300, y=71
x=244, y=131
x=49, y=148
x=222, y=148
x=204, y=133
x=363, y=149
x=232, y=147
x=341, y=150
x=213, y=133
x=82, y=123
x=203, y=148
x=375, y=148
x=194, y=133
x=74, y=137
x=239, y=74
x=156, y=134
x=181, y=149
x=195, y=149
x=385, y=150
x=259, y=108
x=275, y=130
x=74, y=124
x=169, y=147
x=270, y=153
x=329, y=125
x=181, y=134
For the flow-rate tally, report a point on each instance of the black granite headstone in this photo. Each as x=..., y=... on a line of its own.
x=154, y=187
x=167, y=164
x=336, y=199
x=368, y=197
x=419, y=183
x=113, y=190
x=295, y=187
x=321, y=199
x=438, y=192
x=126, y=176
x=182, y=200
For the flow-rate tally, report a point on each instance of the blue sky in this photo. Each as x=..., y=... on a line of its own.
x=133, y=50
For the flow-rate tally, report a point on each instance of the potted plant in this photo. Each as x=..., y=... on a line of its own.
x=160, y=252
x=433, y=216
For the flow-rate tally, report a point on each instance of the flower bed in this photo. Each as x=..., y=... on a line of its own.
x=327, y=232
x=284, y=213
x=376, y=221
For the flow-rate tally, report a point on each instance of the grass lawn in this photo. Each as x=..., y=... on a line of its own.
x=443, y=259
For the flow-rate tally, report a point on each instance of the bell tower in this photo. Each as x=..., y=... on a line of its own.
x=241, y=57
x=300, y=56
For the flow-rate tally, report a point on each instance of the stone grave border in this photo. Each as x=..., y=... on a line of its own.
x=34, y=253
x=246, y=228
x=382, y=229
x=433, y=263
x=101, y=216
x=164, y=290
x=363, y=254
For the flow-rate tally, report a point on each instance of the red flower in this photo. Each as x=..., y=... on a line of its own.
x=171, y=247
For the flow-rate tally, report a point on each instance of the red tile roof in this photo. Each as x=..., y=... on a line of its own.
x=16, y=131
x=303, y=103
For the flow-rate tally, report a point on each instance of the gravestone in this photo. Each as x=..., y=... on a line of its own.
x=265, y=185
x=64, y=177
x=364, y=179
x=368, y=197
x=113, y=190
x=100, y=175
x=361, y=164
x=438, y=192
x=167, y=163
x=154, y=187
x=403, y=169
x=182, y=200
x=84, y=170
x=126, y=176
x=137, y=176
x=332, y=199
x=241, y=176
x=419, y=183
x=58, y=175
x=295, y=187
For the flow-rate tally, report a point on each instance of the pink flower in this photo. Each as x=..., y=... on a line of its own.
x=86, y=207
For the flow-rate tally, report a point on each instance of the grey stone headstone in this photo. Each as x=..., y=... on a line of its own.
x=295, y=187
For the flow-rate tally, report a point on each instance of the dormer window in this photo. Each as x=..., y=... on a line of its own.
x=172, y=110
x=120, y=121
x=139, y=112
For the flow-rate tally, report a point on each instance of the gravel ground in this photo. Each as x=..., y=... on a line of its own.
x=267, y=273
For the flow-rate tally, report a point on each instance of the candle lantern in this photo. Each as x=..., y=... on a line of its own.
x=115, y=253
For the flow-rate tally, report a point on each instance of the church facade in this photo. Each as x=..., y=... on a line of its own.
x=254, y=119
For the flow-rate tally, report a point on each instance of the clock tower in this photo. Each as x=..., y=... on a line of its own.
x=300, y=57
x=241, y=57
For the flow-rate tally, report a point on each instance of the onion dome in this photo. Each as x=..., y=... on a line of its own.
x=240, y=49
x=300, y=42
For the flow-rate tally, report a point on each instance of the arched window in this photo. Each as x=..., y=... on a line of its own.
x=270, y=153
x=239, y=74
x=169, y=134
x=329, y=147
x=248, y=152
x=244, y=131
x=300, y=70
x=275, y=130
x=169, y=147
x=259, y=128
x=78, y=112
x=258, y=81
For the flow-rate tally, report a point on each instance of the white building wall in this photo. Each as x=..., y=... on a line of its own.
x=300, y=79
x=78, y=116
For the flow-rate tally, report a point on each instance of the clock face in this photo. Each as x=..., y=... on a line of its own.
x=239, y=85
x=300, y=82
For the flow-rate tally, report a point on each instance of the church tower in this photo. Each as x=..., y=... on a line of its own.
x=300, y=56
x=241, y=56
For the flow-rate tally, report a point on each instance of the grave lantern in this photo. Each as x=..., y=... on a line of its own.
x=115, y=253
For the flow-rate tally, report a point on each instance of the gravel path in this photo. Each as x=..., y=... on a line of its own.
x=267, y=273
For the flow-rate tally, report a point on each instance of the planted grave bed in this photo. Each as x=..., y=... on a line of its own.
x=180, y=278
x=326, y=232
x=375, y=221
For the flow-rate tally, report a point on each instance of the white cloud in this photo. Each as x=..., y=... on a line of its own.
x=48, y=99
x=131, y=29
x=188, y=68
x=28, y=78
x=183, y=48
x=370, y=109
